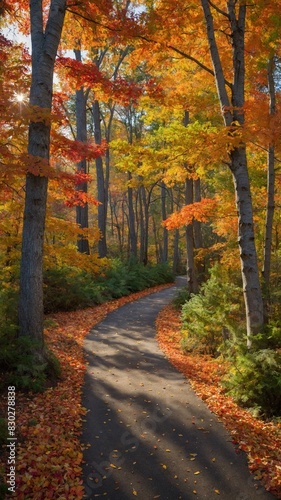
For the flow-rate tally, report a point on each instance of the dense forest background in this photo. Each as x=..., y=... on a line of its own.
x=140, y=140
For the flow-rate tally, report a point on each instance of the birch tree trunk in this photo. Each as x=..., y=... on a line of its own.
x=233, y=115
x=44, y=49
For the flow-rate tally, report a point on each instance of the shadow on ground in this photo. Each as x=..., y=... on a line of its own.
x=149, y=435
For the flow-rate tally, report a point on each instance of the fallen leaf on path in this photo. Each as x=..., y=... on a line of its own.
x=53, y=441
x=260, y=440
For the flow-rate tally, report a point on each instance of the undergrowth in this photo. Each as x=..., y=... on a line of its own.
x=212, y=322
x=68, y=289
x=20, y=367
x=65, y=289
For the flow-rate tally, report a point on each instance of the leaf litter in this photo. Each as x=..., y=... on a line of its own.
x=260, y=440
x=49, y=425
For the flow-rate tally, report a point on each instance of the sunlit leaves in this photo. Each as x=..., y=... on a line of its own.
x=200, y=211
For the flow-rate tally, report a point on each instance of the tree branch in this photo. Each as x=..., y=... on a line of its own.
x=218, y=9
x=196, y=61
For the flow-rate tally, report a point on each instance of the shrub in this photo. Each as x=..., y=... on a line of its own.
x=255, y=381
x=69, y=288
x=124, y=278
x=182, y=296
x=212, y=316
x=8, y=309
x=65, y=288
x=21, y=367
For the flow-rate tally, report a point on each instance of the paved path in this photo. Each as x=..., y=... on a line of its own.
x=151, y=437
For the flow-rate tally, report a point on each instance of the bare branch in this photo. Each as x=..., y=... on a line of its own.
x=218, y=9
x=196, y=61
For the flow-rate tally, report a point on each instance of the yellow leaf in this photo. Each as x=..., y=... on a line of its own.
x=217, y=491
x=197, y=472
x=164, y=466
x=168, y=450
x=135, y=493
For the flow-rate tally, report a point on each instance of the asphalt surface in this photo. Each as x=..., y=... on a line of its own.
x=148, y=435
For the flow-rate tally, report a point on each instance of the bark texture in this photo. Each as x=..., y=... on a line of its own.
x=82, y=211
x=192, y=283
x=102, y=192
x=164, y=248
x=270, y=206
x=132, y=223
x=233, y=115
x=44, y=48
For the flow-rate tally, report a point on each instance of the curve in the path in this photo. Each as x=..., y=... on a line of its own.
x=150, y=436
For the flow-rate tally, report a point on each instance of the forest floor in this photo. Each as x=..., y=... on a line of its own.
x=49, y=451
x=260, y=440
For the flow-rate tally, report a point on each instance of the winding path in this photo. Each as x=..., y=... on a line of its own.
x=150, y=436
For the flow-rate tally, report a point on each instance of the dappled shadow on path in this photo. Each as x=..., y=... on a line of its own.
x=149, y=435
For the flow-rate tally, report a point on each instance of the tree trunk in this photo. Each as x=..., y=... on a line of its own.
x=157, y=247
x=44, y=49
x=164, y=249
x=132, y=223
x=104, y=174
x=246, y=240
x=197, y=226
x=233, y=116
x=176, y=253
x=190, y=266
x=143, y=235
x=82, y=218
x=102, y=208
x=270, y=206
x=197, y=233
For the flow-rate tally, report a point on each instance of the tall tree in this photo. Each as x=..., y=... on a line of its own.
x=102, y=189
x=190, y=265
x=270, y=180
x=45, y=38
x=164, y=247
x=82, y=210
x=233, y=115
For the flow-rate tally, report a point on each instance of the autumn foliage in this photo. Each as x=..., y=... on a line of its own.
x=201, y=211
x=260, y=440
x=49, y=452
x=148, y=176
